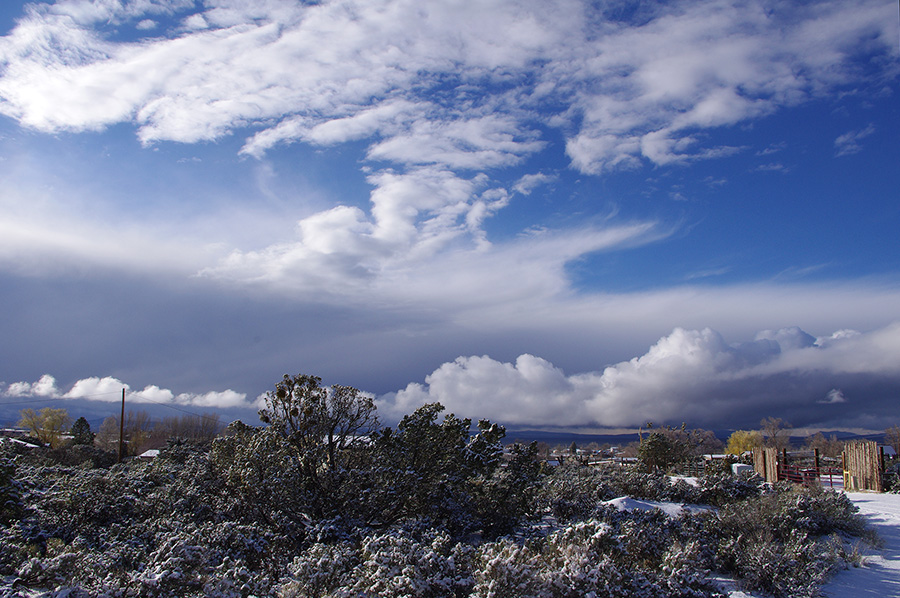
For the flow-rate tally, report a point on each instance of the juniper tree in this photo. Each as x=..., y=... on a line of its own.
x=81, y=432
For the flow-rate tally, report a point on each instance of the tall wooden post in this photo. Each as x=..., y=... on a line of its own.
x=816, y=453
x=122, y=430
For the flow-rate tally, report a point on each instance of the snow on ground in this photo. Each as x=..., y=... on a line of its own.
x=879, y=576
x=672, y=509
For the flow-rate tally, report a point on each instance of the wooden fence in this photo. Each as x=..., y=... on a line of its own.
x=765, y=463
x=863, y=464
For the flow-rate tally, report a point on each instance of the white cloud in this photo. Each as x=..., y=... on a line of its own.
x=689, y=375
x=221, y=399
x=109, y=389
x=97, y=389
x=443, y=93
x=834, y=396
x=44, y=387
x=639, y=90
x=530, y=182
x=41, y=234
x=850, y=142
x=341, y=255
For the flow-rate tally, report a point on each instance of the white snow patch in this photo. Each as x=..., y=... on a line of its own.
x=879, y=575
x=672, y=509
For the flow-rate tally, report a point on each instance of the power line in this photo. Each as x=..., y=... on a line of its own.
x=95, y=397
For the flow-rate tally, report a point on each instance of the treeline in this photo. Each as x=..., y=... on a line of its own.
x=51, y=427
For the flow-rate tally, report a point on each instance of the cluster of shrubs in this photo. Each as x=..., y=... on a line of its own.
x=234, y=519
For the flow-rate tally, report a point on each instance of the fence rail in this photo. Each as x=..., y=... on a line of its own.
x=828, y=477
x=862, y=467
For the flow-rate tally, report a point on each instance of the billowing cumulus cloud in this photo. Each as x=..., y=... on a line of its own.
x=688, y=375
x=44, y=387
x=381, y=186
x=109, y=389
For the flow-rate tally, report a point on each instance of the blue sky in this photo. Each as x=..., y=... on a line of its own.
x=546, y=213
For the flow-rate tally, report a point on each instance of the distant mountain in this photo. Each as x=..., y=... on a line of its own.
x=554, y=438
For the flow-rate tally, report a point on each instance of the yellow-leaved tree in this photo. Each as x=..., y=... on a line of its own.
x=742, y=441
x=47, y=425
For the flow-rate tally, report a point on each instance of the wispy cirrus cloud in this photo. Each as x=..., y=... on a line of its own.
x=440, y=94
x=448, y=115
x=851, y=142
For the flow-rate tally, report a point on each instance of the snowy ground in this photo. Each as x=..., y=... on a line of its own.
x=880, y=574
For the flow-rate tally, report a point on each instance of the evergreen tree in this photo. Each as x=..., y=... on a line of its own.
x=81, y=432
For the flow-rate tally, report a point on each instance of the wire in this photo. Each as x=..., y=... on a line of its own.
x=34, y=399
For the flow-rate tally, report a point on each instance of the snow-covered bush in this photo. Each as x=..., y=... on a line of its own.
x=507, y=569
x=588, y=558
x=782, y=542
x=720, y=488
x=684, y=572
x=572, y=493
x=11, y=504
x=392, y=564
x=320, y=570
x=397, y=565
x=417, y=512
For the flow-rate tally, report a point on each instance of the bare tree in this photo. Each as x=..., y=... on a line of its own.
x=138, y=428
x=108, y=434
x=827, y=447
x=193, y=428
x=775, y=431
x=892, y=438
x=138, y=432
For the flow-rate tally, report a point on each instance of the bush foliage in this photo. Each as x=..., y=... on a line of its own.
x=429, y=509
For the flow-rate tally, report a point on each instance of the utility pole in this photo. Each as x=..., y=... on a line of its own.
x=122, y=430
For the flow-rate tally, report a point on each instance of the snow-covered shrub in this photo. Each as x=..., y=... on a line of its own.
x=321, y=570
x=11, y=504
x=81, y=455
x=396, y=565
x=507, y=569
x=720, y=488
x=589, y=558
x=174, y=568
x=506, y=495
x=260, y=469
x=793, y=568
x=572, y=493
x=779, y=542
x=817, y=511
x=684, y=572
x=233, y=579
x=643, y=536
x=79, y=503
x=649, y=486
